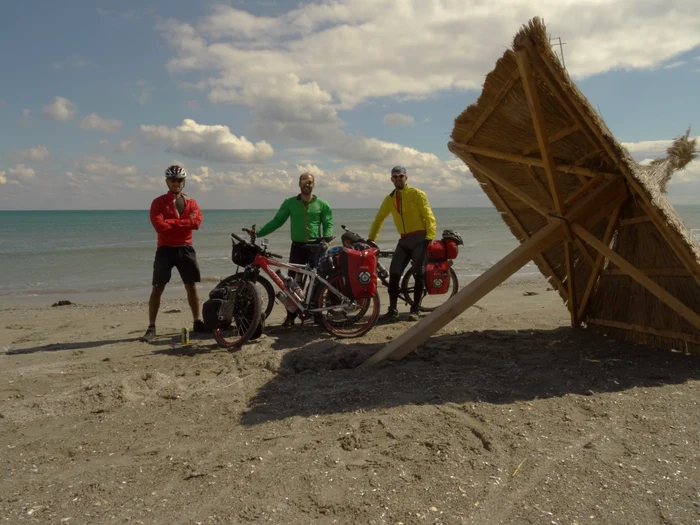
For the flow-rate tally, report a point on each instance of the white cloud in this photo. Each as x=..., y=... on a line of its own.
x=674, y=65
x=298, y=69
x=214, y=143
x=37, y=154
x=310, y=168
x=21, y=172
x=3, y=179
x=398, y=119
x=353, y=51
x=62, y=109
x=73, y=61
x=143, y=91
x=95, y=122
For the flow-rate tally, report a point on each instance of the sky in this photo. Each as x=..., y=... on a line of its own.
x=98, y=98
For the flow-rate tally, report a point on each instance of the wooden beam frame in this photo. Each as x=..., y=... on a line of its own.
x=678, y=247
x=491, y=107
x=562, y=133
x=540, y=186
x=635, y=220
x=688, y=338
x=540, y=257
x=584, y=251
x=658, y=291
x=584, y=188
x=610, y=191
x=539, y=123
x=501, y=181
x=544, y=68
x=652, y=272
x=527, y=161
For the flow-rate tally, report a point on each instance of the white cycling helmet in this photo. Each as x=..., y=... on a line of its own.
x=175, y=173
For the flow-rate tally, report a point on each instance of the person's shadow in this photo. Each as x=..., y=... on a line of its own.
x=77, y=345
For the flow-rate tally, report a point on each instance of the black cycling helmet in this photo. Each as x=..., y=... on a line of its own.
x=451, y=234
x=175, y=173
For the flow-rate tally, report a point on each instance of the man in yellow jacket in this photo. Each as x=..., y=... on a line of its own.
x=415, y=223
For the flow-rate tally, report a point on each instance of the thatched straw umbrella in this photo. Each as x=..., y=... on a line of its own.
x=596, y=223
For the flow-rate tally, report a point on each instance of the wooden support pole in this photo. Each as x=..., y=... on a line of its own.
x=468, y=296
x=660, y=293
x=511, y=263
x=503, y=182
x=527, y=161
x=646, y=330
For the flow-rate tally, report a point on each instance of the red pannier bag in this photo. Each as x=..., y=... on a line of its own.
x=451, y=250
x=437, y=277
x=436, y=250
x=441, y=249
x=360, y=270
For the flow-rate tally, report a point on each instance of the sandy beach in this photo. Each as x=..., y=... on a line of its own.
x=507, y=415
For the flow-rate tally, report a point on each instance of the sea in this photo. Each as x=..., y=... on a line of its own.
x=108, y=254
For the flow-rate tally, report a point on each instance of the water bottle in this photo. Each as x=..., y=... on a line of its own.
x=293, y=285
x=287, y=302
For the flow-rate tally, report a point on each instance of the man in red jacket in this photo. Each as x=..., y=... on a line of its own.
x=174, y=216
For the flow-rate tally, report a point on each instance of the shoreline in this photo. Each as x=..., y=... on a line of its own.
x=175, y=289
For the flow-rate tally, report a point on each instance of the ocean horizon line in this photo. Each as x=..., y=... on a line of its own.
x=236, y=209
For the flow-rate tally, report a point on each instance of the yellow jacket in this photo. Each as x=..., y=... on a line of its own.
x=414, y=213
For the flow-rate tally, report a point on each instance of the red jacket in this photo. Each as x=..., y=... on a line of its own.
x=174, y=229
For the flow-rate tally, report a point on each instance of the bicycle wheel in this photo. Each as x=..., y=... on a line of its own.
x=245, y=313
x=429, y=302
x=349, y=321
x=265, y=291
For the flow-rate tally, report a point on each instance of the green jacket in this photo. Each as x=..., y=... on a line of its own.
x=309, y=222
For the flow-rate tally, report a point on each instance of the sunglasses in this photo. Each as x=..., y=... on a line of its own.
x=398, y=176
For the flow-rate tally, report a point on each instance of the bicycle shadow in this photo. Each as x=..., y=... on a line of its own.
x=77, y=345
x=498, y=367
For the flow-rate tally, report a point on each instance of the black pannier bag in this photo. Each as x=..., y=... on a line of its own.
x=217, y=311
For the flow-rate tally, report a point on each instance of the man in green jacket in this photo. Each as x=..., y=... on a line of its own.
x=311, y=219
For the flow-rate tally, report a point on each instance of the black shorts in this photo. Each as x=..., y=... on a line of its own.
x=182, y=257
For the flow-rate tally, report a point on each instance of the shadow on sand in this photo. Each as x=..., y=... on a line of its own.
x=489, y=366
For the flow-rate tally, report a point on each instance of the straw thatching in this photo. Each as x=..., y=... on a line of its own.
x=537, y=147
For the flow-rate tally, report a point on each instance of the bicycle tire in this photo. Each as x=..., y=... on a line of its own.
x=407, y=287
x=339, y=323
x=267, y=300
x=244, y=320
